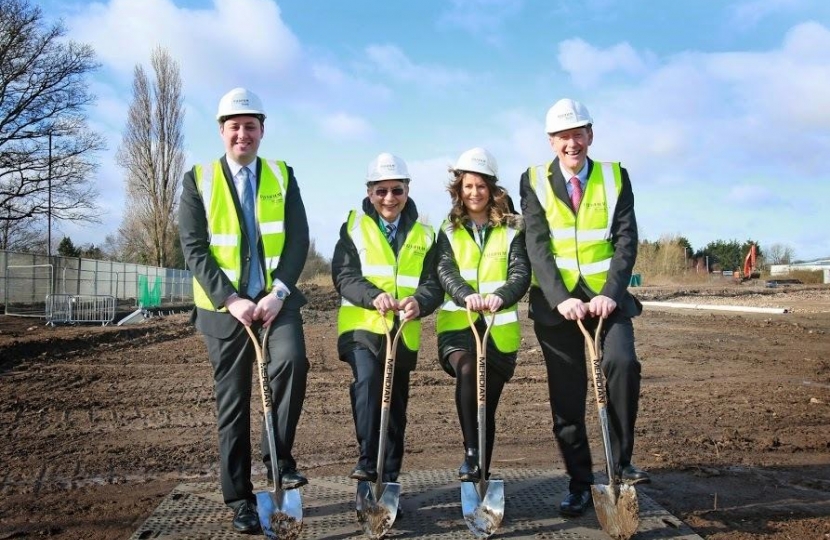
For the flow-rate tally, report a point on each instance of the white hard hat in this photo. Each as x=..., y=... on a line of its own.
x=239, y=101
x=478, y=160
x=566, y=114
x=387, y=167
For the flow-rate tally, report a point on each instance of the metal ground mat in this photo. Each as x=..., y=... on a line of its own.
x=431, y=502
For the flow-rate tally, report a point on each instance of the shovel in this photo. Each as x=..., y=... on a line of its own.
x=377, y=506
x=280, y=512
x=482, y=502
x=616, y=504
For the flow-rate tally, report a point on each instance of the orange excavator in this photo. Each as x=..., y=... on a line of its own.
x=750, y=270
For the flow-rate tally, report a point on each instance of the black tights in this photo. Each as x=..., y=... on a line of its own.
x=466, y=402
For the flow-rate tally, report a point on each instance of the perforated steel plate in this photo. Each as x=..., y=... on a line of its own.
x=431, y=501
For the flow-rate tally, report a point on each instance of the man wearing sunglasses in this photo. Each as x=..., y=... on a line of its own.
x=384, y=265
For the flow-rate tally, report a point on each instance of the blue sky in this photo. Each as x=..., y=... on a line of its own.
x=719, y=110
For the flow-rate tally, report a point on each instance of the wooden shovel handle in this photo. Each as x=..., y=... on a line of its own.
x=593, y=343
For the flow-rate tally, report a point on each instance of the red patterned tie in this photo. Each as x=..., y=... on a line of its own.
x=576, y=194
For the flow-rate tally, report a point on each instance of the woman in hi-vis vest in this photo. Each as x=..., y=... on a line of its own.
x=383, y=267
x=483, y=267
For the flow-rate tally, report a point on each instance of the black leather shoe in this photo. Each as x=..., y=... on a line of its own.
x=632, y=475
x=575, y=504
x=363, y=474
x=292, y=479
x=469, y=470
x=245, y=518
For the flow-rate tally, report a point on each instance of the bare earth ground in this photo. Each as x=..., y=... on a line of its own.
x=98, y=424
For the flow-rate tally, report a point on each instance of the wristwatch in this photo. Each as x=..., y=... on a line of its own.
x=281, y=294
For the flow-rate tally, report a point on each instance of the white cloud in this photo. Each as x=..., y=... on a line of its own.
x=236, y=42
x=749, y=13
x=751, y=194
x=392, y=62
x=587, y=64
x=482, y=19
x=344, y=125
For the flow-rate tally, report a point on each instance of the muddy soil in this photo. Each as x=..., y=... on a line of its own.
x=99, y=423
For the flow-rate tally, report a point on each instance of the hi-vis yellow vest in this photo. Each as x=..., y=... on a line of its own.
x=581, y=242
x=398, y=277
x=225, y=226
x=485, y=270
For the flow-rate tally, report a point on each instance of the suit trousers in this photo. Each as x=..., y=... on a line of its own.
x=233, y=362
x=563, y=347
x=365, y=393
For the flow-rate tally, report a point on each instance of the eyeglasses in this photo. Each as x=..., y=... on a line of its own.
x=383, y=192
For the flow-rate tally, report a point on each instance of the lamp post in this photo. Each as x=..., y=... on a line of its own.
x=49, y=203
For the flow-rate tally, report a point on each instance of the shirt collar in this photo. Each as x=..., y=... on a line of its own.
x=582, y=174
x=236, y=167
x=384, y=223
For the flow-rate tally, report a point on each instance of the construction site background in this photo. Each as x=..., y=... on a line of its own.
x=75, y=289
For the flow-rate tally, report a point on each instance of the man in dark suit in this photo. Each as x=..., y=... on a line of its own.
x=244, y=235
x=581, y=236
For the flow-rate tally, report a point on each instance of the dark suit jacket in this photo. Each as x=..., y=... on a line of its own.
x=193, y=232
x=551, y=290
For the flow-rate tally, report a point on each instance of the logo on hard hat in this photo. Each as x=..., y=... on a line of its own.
x=569, y=115
x=387, y=166
x=480, y=161
x=241, y=101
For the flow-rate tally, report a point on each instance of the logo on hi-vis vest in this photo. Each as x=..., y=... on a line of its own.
x=500, y=255
x=273, y=198
x=594, y=205
x=417, y=248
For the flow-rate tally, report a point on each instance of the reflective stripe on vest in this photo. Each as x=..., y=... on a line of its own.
x=581, y=242
x=224, y=225
x=485, y=270
x=397, y=276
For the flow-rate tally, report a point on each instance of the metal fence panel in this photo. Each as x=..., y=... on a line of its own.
x=27, y=279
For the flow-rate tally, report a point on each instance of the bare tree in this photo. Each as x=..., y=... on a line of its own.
x=46, y=147
x=152, y=153
x=779, y=254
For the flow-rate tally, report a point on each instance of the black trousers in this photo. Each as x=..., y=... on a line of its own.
x=563, y=347
x=466, y=399
x=233, y=362
x=365, y=394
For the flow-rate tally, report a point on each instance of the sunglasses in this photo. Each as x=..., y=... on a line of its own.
x=383, y=192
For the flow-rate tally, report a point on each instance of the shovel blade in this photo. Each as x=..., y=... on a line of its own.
x=280, y=513
x=376, y=516
x=483, y=517
x=618, y=510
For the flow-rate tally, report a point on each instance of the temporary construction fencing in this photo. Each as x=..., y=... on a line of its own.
x=72, y=289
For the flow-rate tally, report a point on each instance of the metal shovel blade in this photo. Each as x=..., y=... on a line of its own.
x=280, y=513
x=377, y=516
x=483, y=517
x=618, y=510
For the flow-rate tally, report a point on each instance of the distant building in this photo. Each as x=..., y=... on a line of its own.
x=818, y=265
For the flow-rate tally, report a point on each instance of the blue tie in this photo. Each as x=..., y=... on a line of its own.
x=248, y=208
x=390, y=233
